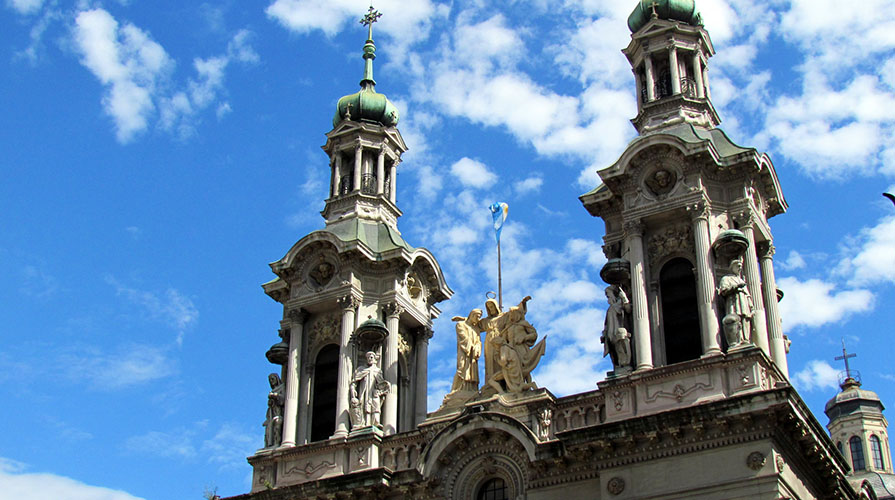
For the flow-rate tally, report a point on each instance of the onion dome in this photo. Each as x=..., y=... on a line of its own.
x=669, y=10
x=367, y=104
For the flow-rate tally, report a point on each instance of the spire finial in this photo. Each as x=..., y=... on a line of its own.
x=653, y=6
x=845, y=357
x=371, y=17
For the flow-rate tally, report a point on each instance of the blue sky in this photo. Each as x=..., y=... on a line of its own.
x=157, y=155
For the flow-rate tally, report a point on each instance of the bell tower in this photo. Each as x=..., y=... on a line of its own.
x=358, y=303
x=686, y=212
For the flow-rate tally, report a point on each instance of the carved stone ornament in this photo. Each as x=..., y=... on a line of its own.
x=324, y=330
x=756, y=460
x=414, y=286
x=661, y=181
x=618, y=400
x=545, y=417
x=321, y=272
x=615, y=486
x=781, y=464
x=670, y=240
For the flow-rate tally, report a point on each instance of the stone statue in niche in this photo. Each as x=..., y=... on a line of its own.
x=737, y=301
x=322, y=272
x=661, y=181
x=273, y=426
x=469, y=348
x=616, y=337
x=510, y=350
x=368, y=386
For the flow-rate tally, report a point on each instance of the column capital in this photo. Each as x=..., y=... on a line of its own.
x=766, y=250
x=393, y=309
x=745, y=219
x=698, y=210
x=348, y=302
x=424, y=333
x=298, y=316
x=634, y=227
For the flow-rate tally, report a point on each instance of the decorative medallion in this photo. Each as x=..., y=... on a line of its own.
x=321, y=272
x=615, y=486
x=781, y=464
x=618, y=400
x=661, y=181
x=755, y=460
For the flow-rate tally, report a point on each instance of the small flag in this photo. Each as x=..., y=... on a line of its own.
x=499, y=213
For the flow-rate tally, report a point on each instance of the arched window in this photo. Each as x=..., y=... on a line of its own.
x=680, y=315
x=857, y=453
x=323, y=406
x=876, y=451
x=493, y=489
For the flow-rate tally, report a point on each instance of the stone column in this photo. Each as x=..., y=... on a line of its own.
x=642, y=338
x=358, y=165
x=390, y=369
x=655, y=306
x=639, y=83
x=337, y=169
x=650, y=78
x=753, y=283
x=349, y=308
x=297, y=319
x=304, y=395
x=393, y=180
x=769, y=287
x=697, y=74
x=675, y=70
x=705, y=280
x=380, y=172
x=422, y=372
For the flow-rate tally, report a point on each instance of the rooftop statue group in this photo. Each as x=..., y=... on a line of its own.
x=510, y=349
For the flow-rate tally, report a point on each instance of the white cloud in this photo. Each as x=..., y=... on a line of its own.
x=813, y=303
x=17, y=484
x=793, y=261
x=25, y=7
x=430, y=183
x=130, y=365
x=472, y=173
x=172, y=307
x=127, y=62
x=817, y=374
x=529, y=185
x=874, y=257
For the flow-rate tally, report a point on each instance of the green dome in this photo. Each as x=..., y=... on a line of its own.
x=367, y=105
x=671, y=10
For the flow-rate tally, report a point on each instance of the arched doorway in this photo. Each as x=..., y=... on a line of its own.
x=323, y=405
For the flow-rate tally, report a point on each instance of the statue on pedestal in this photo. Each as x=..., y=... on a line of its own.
x=510, y=350
x=469, y=348
x=273, y=425
x=738, y=302
x=616, y=338
x=368, y=385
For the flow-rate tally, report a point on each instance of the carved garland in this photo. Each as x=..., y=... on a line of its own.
x=671, y=240
x=324, y=331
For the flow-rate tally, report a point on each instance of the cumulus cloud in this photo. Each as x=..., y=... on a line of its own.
x=472, y=173
x=817, y=375
x=25, y=7
x=874, y=256
x=528, y=185
x=127, y=61
x=813, y=302
x=19, y=484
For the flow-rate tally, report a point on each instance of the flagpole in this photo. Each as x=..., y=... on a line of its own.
x=499, y=280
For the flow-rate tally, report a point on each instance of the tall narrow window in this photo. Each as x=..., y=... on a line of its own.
x=493, y=489
x=857, y=453
x=876, y=451
x=839, y=447
x=680, y=315
x=323, y=406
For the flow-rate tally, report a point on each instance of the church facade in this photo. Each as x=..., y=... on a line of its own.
x=698, y=404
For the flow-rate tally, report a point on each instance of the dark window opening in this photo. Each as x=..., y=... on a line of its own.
x=857, y=453
x=876, y=451
x=323, y=406
x=493, y=489
x=680, y=313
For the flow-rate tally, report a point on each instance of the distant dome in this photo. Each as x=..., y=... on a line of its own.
x=852, y=399
x=367, y=105
x=670, y=10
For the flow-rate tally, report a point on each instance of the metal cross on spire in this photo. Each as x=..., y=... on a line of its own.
x=845, y=357
x=371, y=17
